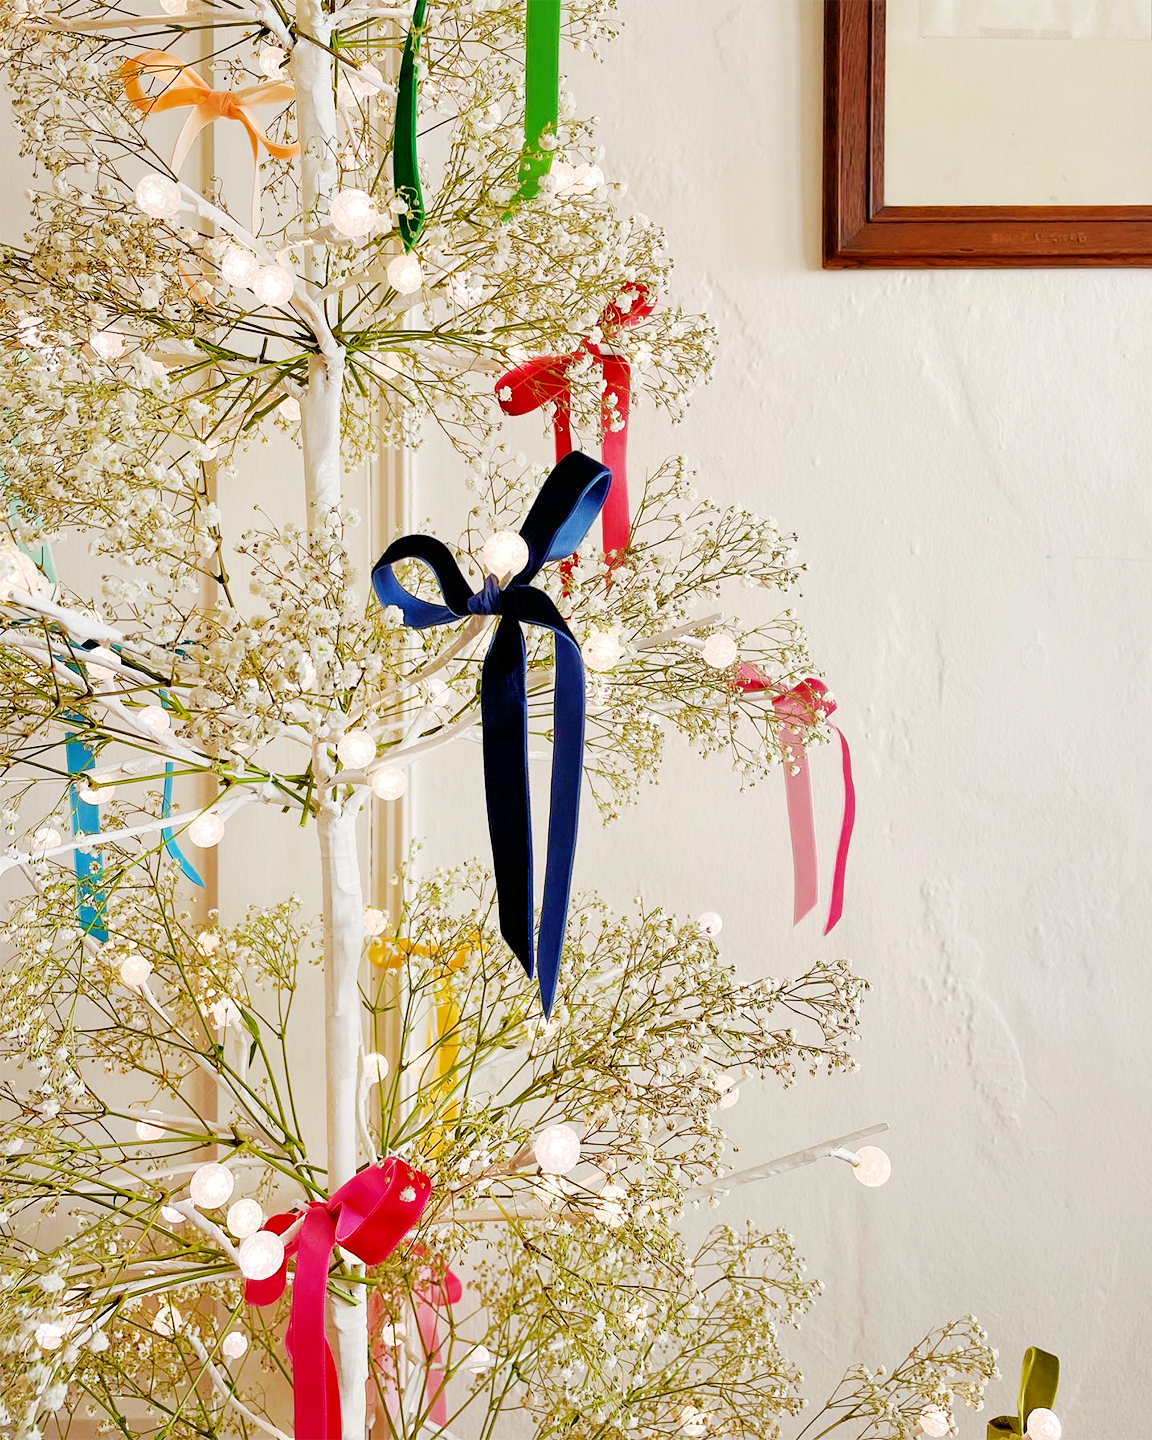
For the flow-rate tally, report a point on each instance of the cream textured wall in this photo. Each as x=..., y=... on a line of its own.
x=964, y=455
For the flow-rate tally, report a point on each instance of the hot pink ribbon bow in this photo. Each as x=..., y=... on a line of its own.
x=368, y=1216
x=546, y=380
x=802, y=703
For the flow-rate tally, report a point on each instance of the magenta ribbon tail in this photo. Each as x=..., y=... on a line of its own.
x=802, y=827
x=836, y=905
x=426, y=1324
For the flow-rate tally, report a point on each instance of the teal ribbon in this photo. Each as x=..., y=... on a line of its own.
x=541, y=111
x=91, y=901
x=1039, y=1379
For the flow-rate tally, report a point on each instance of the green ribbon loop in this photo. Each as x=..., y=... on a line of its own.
x=541, y=111
x=405, y=166
x=1039, y=1379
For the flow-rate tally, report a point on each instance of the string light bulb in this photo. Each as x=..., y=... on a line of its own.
x=46, y=838
x=18, y=572
x=49, y=1336
x=934, y=1422
x=211, y=1186
x=95, y=794
x=480, y=1358
x=135, y=971
x=505, y=553
x=557, y=1149
x=261, y=1255
x=174, y=7
x=601, y=650
x=206, y=830
x=405, y=274
x=289, y=408
x=353, y=212
x=710, y=923
x=245, y=1217
x=157, y=196
x=155, y=718
x=719, y=650
x=693, y=1422
x=273, y=285
x=146, y=1130
x=239, y=266
x=167, y=1320
x=375, y=1068
x=272, y=59
x=234, y=1344
x=389, y=783
x=171, y=1216
x=874, y=1169
x=1043, y=1424
x=108, y=344
x=356, y=749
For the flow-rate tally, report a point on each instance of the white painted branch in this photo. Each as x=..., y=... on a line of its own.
x=226, y=1390
x=207, y=1227
x=784, y=1163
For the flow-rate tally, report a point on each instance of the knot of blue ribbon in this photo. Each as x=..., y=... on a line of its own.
x=569, y=501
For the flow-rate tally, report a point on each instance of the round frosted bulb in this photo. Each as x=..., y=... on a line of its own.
x=356, y=749
x=147, y=1131
x=211, y=1186
x=155, y=718
x=167, y=1320
x=375, y=1068
x=720, y=650
x=135, y=970
x=601, y=650
x=710, y=923
x=206, y=831
x=18, y=572
x=235, y=1344
x=1043, y=1425
x=157, y=196
x=353, y=212
x=289, y=408
x=171, y=1216
x=108, y=344
x=272, y=60
x=49, y=1336
x=174, y=7
x=693, y=1423
x=46, y=838
x=405, y=274
x=729, y=1092
x=272, y=285
x=245, y=1217
x=505, y=553
x=480, y=1359
x=261, y=1255
x=239, y=266
x=934, y=1422
x=557, y=1149
x=389, y=783
x=874, y=1167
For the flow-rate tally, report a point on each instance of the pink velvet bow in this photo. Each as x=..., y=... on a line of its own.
x=802, y=703
x=546, y=380
x=368, y=1216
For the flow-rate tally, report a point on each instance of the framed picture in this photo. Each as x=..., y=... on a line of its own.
x=987, y=133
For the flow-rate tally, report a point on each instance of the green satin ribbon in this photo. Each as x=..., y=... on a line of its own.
x=541, y=111
x=1039, y=1378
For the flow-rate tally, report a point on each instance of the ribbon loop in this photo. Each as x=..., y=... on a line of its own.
x=1039, y=1382
x=368, y=1216
x=557, y=522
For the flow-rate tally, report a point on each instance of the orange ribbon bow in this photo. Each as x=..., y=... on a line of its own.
x=186, y=88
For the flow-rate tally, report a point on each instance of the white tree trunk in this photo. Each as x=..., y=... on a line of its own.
x=340, y=862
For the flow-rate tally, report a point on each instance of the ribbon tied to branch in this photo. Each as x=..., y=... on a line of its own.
x=185, y=88
x=568, y=502
x=798, y=708
x=1039, y=1381
x=547, y=380
x=368, y=1217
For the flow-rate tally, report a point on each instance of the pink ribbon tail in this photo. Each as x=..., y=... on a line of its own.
x=802, y=828
x=848, y=820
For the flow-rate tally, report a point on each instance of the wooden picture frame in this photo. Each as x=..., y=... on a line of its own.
x=861, y=232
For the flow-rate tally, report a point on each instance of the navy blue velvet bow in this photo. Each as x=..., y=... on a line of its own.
x=569, y=500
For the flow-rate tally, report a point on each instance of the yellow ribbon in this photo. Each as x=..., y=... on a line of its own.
x=187, y=89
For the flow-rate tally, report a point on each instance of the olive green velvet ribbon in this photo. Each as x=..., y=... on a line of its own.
x=1039, y=1378
x=541, y=111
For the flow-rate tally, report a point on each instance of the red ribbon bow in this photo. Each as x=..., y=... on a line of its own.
x=802, y=703
x=368, y=1216
x=546, y=380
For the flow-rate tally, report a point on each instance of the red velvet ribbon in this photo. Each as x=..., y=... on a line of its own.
x=368, y=1216
x=545, y=380
x=802, y=703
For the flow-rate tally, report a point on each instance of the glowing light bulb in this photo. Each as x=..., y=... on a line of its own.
x=353, y=212
x=405, y=274
x=206, y=830
x=49, y=1336
x=155, y=718
x=375, y=1068
x=729, y=1092
x=135, y=971
x=96, y=663
x=934, y=1422
x=693, y=1422
x=720, y=650
x=505, y=553
x=480, y=1359
x=710, y=923
x=273, y=285
x=874, y=1168
x=1043, y=1425
x=557, y=1149
x=211, y=1186
x=95, y=794
x=356, y=749
x=167, y=1320
x=108, y=344
x=225, y=1013
x=46, y=838
x=171, y=1216
x=272, y=60
x=158, y=196
x=239, y=266
x=389, y=783
x=363, y=82
x=261, y=1255
x=375, y=921
x=289, y=407
x=18, y=572
x=174, y=7
x=145, y=1129
x=245, y=1217
x=234, y=1344
x=601, y=650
